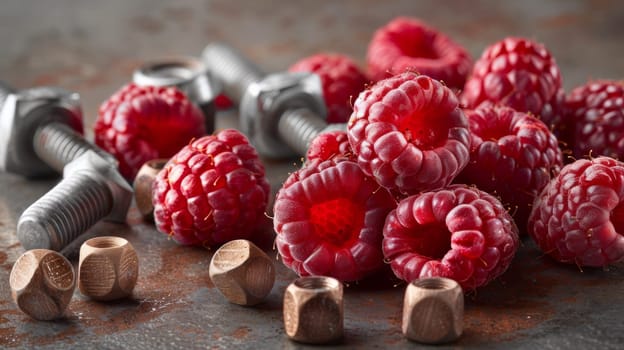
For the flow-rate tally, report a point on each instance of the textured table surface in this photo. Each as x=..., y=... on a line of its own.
x=93, y=46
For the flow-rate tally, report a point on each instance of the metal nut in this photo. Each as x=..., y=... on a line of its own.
x=143, y=186
x=108, y=268
x=433, y=310
x=242, y=272
x=42, y=283
x=313, y=310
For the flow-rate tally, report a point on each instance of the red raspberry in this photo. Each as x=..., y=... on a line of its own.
x=223, y=102
x=512, y=155
x=523, y=75
x=212, y=191
x=459, y=232
x=597, y=109
x=342, y=81
x=409, y=44
x=579, y=217
x=330, y=144
x=409, y=133
x=141, y=123
x=328, y=218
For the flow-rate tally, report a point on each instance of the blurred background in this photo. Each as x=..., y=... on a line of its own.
x=93, y=46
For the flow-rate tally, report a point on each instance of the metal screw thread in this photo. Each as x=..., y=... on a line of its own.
x=298, y=127
x=232, y=68
x=57, y=144
x=65, y=212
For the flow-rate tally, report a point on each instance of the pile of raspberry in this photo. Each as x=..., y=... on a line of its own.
x=444, y=165
x=473, y=156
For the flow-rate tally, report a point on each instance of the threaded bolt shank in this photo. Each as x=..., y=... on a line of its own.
x=65, y=212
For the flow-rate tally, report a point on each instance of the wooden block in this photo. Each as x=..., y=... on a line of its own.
x=242, y=272
x=108, y=268
x=433, y=310
x=143, y=186
x=42, y=283
x=313, y=310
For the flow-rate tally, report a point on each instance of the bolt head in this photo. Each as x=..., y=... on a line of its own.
x=20, y=116
x=99, y=167
x=264, y=103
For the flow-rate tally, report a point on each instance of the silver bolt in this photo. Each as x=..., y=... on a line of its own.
x=92, y=189
x=281, y=113
x=38, y=131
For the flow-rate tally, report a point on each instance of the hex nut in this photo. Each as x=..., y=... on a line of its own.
x=42, y=284
x=433, y=310
x=108, y=268
x=143, y=187
x=242, y=272
x=313, y=310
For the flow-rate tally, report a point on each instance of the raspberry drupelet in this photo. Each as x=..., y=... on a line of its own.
x=141, y=123
x=329, y=216
x=341, y=79
x=409, y=133
x=408, y=44
x=512, y=156
x=458, y=232
x=212, y=191
x=579, y=217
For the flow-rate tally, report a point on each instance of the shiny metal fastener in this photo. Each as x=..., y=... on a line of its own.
x=280, y=113
x=92, y=189
x=40, y=131
x=187, y=74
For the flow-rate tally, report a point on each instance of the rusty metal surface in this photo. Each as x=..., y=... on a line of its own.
x=93, y=46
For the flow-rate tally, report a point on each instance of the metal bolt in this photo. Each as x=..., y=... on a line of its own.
x=187, y=74
x=38, y=131
x=281, y=113
x=92, y=189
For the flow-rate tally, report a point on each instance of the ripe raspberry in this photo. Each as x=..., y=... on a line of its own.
x=328, y=218
x=579, y=217
x=212, y=191
x=223, y=102
x=597, y=109
x=409, y=44
x=512, y=155
x=330, y=144
x=521, y=74
x=141, y=123
x=459, y=232
x=342, y=81
x=409, y=133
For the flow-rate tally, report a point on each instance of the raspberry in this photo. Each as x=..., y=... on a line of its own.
x=212, y=191
x=579, y=216
x=512, y=155
x=409, y=44
x=342, y=81
x=328, y=145
x=223, y=102
x=328, y=218
x=597, y=109
x=409, y=133
x=141, y=123
x=523, y=75
x=459, y=232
